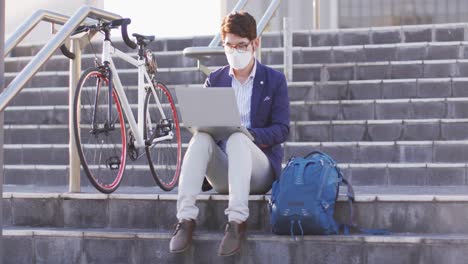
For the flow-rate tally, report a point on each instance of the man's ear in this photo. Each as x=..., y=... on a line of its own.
x=255, y=43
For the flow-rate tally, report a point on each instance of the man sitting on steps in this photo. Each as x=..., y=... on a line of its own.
x=237, y=165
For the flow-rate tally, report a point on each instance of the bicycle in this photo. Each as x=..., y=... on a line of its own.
x=100, y=104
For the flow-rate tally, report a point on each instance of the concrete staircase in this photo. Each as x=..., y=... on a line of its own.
x=390, y=104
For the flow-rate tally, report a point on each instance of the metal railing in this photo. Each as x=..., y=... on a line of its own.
x=47, y=51
x=201, y=53
x=62, y=35
x=23, y=30
x=316, y=7
x=287, y=49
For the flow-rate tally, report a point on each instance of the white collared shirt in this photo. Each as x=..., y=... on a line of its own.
x=244, y=94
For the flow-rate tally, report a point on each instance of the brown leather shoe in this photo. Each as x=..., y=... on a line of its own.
x=233, y=237
x=182, y=237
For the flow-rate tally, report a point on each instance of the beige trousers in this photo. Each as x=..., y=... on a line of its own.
x=242, y=170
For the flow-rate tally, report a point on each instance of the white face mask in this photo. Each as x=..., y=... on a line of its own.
x=238, y=60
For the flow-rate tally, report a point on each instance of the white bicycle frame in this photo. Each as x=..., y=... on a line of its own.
x=137, y=128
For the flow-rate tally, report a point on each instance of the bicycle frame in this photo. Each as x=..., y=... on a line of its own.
x=137, y=128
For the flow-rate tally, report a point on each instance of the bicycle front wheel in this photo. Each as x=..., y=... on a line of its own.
x=162, y=136
x=100, y=130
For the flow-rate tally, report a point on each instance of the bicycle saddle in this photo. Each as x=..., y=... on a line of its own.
x=142, y=39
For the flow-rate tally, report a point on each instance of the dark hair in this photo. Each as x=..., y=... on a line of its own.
x=241, y=24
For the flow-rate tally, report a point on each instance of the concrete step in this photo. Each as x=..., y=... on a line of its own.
x=183, y=75
x=344, y=152
x=359, y=174
x=399, y=209
x=380, y=52
x=36, y=134
x=50, y=134
x=57, y=154
x=380, y=70
x=446, y=108
x=381, y=35
x=429, y=163
x=379, y=89
x=379, y=130
x=44, y=114
x=300, y=131
x=298, y=91
x=160, y=44
x=439, y=108
x=59, y=96
x=301, y=72
x=60, y=63
x=130, y=246
x=274, y=56
x=165, y=59
x=54, y=134
x=405, y=174
x=386, y=152
x=136, y=174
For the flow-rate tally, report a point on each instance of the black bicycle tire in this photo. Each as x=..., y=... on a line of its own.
x=173, y=183
x=81, y=155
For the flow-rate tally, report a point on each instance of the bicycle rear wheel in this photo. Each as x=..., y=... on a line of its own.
x=165, y=156
x=101, y=142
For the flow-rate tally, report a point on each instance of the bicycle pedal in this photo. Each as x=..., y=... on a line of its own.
x=113, y=163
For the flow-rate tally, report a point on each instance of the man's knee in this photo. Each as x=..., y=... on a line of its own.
x=201, y=138
x=235, y=140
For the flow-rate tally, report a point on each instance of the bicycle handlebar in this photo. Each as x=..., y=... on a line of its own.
x=123, y=28
x=122, y=23
x=65, y=51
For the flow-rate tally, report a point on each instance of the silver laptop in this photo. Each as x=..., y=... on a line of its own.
x=210, y=110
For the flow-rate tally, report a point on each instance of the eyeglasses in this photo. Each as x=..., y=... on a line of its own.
x=241, y=47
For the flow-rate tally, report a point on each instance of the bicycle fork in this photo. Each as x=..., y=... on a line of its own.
x=108, y=125
x=109, y=109
x=106, y=73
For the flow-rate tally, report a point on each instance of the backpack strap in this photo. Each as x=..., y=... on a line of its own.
x=376, y=232
x=301, y=168
x=352, y=220
x=351, y=197
x=294, y=237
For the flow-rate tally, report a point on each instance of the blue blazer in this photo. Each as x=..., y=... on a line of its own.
x=269, y=110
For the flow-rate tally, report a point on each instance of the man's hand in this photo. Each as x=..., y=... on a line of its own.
x=262, y=146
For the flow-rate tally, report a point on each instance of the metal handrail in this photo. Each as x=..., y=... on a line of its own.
x=200, y=53
x=69, y=25
x=17, y=84
x=288, y=50
x=23, y=30
x=316, y=8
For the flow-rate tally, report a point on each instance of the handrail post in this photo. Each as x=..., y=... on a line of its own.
x=74, y=162
x=258, y=54
x=2, y=129
x=287, y=55
x=316, y=8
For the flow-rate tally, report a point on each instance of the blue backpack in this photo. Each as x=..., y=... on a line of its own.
x=303, y=198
